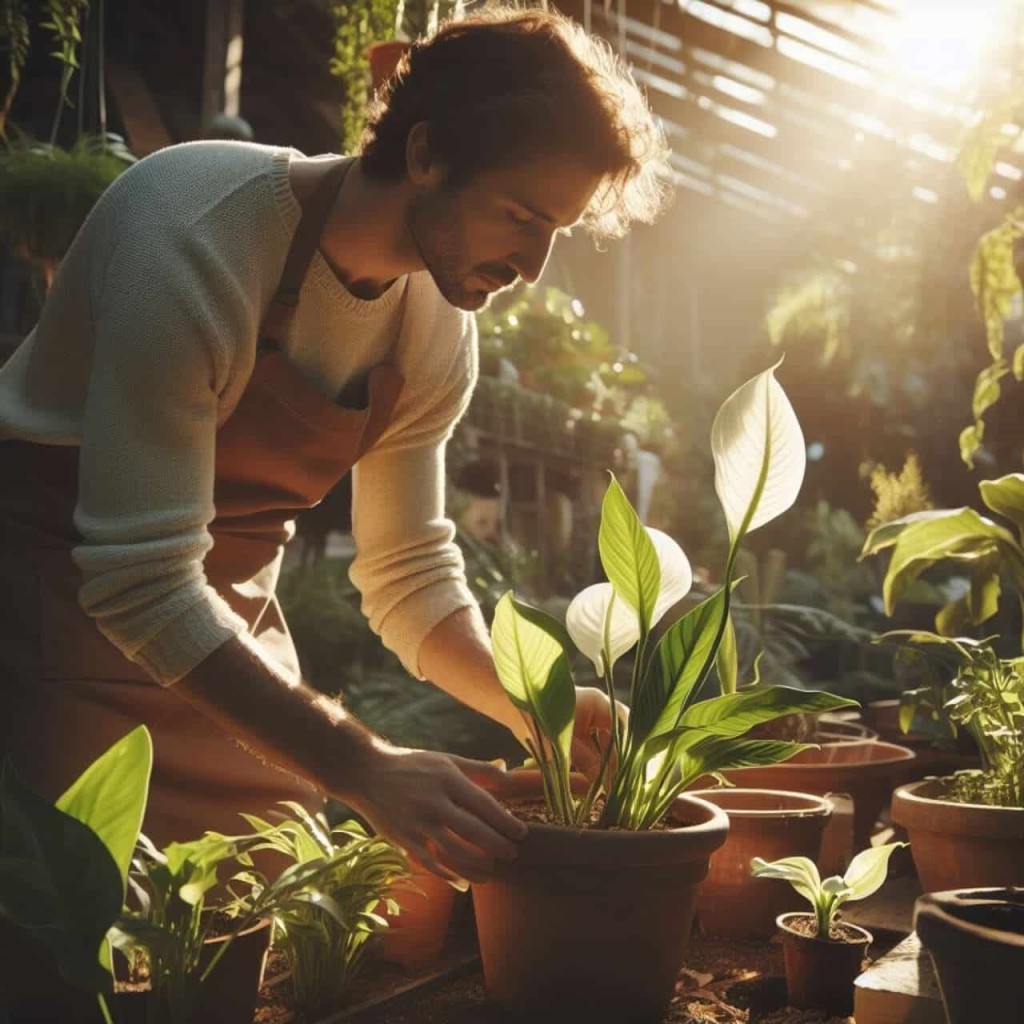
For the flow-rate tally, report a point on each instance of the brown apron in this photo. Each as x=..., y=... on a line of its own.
x=66, y=693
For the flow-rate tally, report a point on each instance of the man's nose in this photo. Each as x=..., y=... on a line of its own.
x=530, y=261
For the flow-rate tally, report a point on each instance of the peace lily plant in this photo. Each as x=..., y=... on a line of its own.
x=669, y=739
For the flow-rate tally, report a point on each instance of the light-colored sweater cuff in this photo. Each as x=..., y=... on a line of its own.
x=189, y=639
x=413, y=619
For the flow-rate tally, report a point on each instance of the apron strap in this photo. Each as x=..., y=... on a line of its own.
x=304, y=245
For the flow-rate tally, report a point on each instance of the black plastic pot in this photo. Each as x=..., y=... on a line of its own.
x=819, y=973
x=976, y=941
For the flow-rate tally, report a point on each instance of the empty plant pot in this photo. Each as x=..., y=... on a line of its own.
x=764, y=823
x=868, y=770
x=959, y=846
x=820, y=973
x=593, y=924
x=976, y=941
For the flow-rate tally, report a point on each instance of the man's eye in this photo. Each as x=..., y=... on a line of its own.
x=519, y=216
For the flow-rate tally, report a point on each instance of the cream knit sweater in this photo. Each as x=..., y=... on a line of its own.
x=144, y=347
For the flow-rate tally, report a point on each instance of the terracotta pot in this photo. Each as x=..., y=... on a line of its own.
x=417, y=934
x=384, y=57
x=959, y=846
x=867, y=770
x=820, y=974
x=976, y=941
x=764, y=823
x=593, y=924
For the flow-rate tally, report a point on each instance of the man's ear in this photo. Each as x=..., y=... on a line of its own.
x=421, y=166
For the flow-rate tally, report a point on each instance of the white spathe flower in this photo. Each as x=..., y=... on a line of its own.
x=756, y=433
x=588, y=610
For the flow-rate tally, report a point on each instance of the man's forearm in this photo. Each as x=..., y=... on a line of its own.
x=279, y=718
x=456, y=656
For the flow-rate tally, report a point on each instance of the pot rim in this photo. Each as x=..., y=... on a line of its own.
x=645, y=847
x=913, y=800
x=892, y=754
x=934, y=905
x=781, y=922
x=814, y=806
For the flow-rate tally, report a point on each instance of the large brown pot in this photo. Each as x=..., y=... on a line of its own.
x=819, y=973
x=593, y=924
x=764, y=823
x=867, y=770
x=959, y=846
x=976, y=941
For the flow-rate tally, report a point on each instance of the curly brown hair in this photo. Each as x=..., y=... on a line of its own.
x=503, y=85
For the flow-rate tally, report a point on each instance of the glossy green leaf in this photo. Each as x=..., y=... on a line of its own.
x=532, y=664
x=759, y=452
x=726, y=659
x=735, y=714
x=683, y=655
x=110, y=796
x=628, y=554
x=57, y=881
x=886, y=535
x=962, y=533
x=1005, y=497
x=723, y=753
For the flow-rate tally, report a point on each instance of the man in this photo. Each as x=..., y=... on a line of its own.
x=234, y=328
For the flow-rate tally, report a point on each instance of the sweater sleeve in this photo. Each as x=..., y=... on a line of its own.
x=408, y=567
x=166, y=329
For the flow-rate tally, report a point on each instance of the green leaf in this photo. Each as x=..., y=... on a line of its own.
x=735, y=714
x=110, y=796
x=960, y=534
x=680, y=661
x=628, y=554
x=867, y=870
x=1005, y=497
x=886, y=535
x=57, y=881
x=533, y=666
x=970, y=443
x=722, y=753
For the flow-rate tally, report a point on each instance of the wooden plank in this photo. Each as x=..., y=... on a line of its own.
x=143, y=124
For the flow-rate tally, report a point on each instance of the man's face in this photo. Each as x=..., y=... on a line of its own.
x=498, y=227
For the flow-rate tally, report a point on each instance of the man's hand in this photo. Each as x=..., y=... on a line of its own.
x=436, y=808
x=593, y=730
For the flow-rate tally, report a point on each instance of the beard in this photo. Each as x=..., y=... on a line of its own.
x=436, y=228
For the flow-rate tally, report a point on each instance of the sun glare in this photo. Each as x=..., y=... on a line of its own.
x=943, y=42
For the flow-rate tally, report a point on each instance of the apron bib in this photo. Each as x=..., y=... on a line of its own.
x=66, y=692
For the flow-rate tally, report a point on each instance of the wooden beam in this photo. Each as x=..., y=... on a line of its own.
x=222, y=60
x=144, y=126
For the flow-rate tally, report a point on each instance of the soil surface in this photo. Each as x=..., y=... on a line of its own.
x=722, y=983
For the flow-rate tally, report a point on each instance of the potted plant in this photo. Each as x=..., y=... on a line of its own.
x=595, y=911
x=976, y=942
x=46, y=190
x=966, y=829
x=823, y=955
x=324, y=924
x=63, y=880
x=730, y=902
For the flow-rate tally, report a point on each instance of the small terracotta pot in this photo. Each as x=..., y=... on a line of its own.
x=976, y=941
x=384, y=57
x=593, y=924
x=959, y=846
x=417, y=934
x=820, y=974
x=764, y=823
x=867, y=770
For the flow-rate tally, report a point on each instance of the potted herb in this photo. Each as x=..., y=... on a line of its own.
x=966, y=829
x=976, y=942
x=823, y=955
x=63, y=880
x=595, y=912
x=324, y=924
